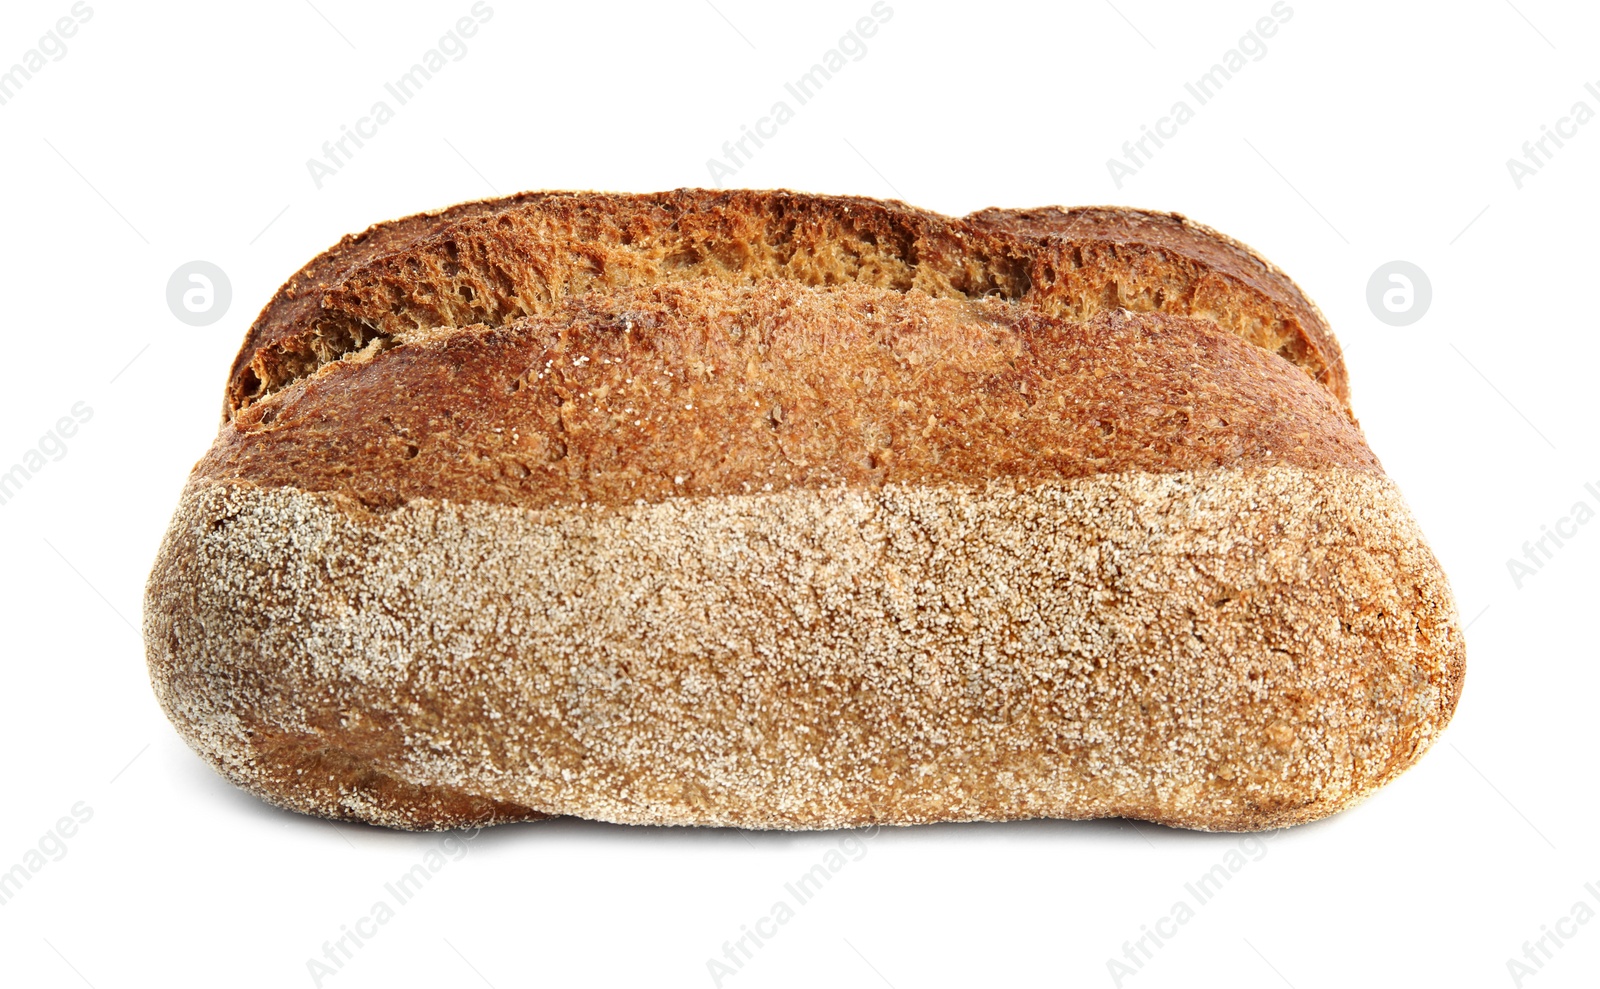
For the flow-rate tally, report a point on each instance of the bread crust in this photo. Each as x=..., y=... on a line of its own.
x=495, y=261
x=779, y=511
x=1227, y=649
x=704, y=389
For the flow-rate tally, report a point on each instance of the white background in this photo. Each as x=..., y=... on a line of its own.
x=1368, y=132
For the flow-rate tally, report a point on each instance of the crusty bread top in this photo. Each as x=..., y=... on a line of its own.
x=710, y=388
x=496, y=261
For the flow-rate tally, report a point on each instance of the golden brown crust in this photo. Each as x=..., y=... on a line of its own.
x=705, y=389
x=1300, y=334
x=498, y=260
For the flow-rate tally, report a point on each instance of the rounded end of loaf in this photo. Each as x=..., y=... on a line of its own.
x=207, y=687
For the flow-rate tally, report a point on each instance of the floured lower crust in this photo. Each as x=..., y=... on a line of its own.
x=1224, y=648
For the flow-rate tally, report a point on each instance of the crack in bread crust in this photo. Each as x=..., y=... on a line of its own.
x=1228, y=649
x=497, y=261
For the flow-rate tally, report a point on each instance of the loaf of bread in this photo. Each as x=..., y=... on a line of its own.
x=783, y=511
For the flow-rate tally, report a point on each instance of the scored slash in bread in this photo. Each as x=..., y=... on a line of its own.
x=784, y=511
x=496, y=261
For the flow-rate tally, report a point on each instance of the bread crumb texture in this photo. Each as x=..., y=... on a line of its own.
x=1223, y=648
